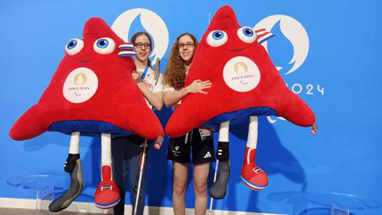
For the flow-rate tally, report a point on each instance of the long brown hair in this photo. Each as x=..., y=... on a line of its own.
x=136, y=35
x=175, y=73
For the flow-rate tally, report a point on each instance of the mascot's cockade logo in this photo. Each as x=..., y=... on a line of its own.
x=151, y=22
x=80, y=85
x=294, y=32
x=241, y=74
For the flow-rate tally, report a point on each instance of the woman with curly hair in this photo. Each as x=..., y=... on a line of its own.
x=198, y=142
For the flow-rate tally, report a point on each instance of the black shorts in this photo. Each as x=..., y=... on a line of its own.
x=179, y=149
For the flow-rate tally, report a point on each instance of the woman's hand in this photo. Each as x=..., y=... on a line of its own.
x=198, y=86
x=136, y=76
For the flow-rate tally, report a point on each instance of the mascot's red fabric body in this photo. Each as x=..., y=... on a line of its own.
x=117, y=99
x=209, y=64
x=245, y=84
x=91, y=93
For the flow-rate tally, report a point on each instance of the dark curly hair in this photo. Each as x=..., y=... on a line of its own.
x=175, y=73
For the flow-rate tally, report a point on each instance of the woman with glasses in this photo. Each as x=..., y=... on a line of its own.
x=126, y=151
x=199, y=142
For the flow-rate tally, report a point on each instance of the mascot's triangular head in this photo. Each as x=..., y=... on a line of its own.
x=92, y=92
x=244, y=80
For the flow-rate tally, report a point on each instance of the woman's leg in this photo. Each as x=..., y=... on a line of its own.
x=179, y=187
x=119, y=155
x=200, y=187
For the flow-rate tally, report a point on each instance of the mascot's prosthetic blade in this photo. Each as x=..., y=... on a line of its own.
x=92, y=93
x=245, y=84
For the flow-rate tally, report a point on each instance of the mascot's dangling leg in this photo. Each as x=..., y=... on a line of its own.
x=251, y=174
x=74, y=168
x=219, y=188
x=107, y=193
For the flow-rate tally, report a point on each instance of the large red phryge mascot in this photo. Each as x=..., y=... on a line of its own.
x=91, y=93
x=246, y=84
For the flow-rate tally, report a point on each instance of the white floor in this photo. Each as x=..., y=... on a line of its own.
x=28, y=207
x=14, y=211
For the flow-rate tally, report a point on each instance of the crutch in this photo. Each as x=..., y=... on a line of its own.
x=141, y=167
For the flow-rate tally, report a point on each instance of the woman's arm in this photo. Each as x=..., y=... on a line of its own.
x=155, y=99
x=197, y=86
x=171, y=98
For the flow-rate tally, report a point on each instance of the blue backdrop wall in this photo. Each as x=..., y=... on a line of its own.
x=326, y=51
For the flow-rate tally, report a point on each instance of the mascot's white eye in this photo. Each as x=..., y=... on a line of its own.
x=74, y=46
x=217, y=38
x=246, y=34
x=104, y=45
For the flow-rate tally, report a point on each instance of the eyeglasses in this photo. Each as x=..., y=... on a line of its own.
x=187, y=45
x=140, y=45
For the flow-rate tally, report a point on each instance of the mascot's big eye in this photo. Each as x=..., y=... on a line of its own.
x=104, y=45
x=74, y=46
x=246, y=34
x=217, y=38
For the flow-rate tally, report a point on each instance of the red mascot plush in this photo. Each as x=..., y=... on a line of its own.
x=246, y=84
x=91, y=93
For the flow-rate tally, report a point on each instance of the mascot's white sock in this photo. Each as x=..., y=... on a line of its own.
x=253, y=132
x=106, y=157
x=252, y=137
x=224, y=132
x=223, y=147
x=74, y=147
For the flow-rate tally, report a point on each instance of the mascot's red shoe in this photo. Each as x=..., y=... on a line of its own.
x=107, y=193
x=251, y=174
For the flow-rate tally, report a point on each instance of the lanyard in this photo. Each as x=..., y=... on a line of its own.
x=144, y=73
